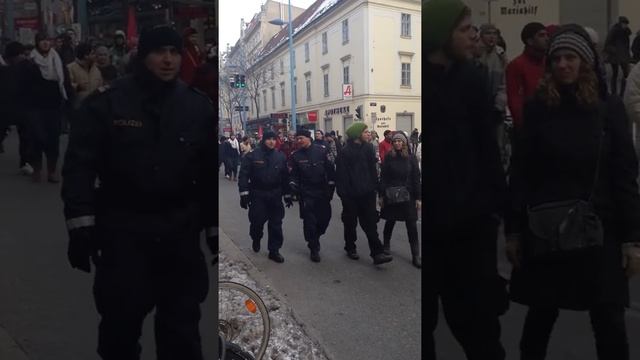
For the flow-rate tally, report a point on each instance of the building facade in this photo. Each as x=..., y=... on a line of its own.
x=510, y=16
x=349, y=55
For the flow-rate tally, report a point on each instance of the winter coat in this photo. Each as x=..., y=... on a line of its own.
x=84, y=82
x=496, y=64
x=15, y=91
x=400, y=171
x=555, y=159
x=466, y=179
x=616, y=47
x=356, y=173
x=632, y=95
x=523, y=76
x=384, y=147
x=191, y=61
x=229, y=152
x=635, y=48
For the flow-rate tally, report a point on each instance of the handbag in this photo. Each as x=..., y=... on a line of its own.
x=566, y=226
x=398, y=194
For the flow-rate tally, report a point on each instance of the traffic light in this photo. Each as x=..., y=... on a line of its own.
x=359, y=112
x=237, y=81
x=242, y=82
x=232, y=81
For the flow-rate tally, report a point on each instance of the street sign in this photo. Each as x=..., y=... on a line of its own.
x=347, y=91
x=240, y=108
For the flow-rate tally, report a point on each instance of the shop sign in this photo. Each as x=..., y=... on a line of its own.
x=27, y=23
x=347, y=91
x=520, y=7
x=313, y=116
x=336, y=111
x=279, y=115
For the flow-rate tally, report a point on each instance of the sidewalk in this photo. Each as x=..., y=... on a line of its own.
x=289, y=335
x=9, y=350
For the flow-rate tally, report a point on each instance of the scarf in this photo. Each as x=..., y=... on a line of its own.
x=234, y=144
x=50, y=68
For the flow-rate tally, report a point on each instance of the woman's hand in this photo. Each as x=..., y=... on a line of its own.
x=631, y=258
x=418, y=204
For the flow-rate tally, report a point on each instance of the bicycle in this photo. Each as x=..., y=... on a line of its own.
x=243, y=318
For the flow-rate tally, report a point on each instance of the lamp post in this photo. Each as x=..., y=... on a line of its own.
x=291, y=65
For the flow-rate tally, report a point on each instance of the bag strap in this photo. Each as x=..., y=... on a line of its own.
x=602, y=115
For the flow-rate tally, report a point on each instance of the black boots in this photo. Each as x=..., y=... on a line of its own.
x=255, y=245
x=386, y=246
x=381, y=258
x=315, y=256
x=275, y=256
x=353, y=255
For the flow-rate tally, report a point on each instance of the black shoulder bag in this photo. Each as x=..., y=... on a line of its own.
x=399, y=194
x=569, y=225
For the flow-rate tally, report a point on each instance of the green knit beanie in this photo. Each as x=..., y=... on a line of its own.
x=355, y=131
x=438, y=20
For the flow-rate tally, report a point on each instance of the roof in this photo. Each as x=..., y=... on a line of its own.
x=313, y=13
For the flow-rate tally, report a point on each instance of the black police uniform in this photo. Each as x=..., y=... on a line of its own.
x=314, y=176
x=264, y=178
x=152, y=147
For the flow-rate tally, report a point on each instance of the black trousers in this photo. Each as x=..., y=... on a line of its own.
x=43, y=133
x=461, y=267
x=412, y=233
x=136, y=274
x=608, y=325
x=316, y=215
x=364, y=209
x=231, y=167
x=614, y=77
x=261, y=210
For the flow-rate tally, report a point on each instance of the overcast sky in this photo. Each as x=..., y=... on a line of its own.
x=231, y=11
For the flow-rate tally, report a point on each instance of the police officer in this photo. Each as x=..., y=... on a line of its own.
x=263, y=181
x=150, y=141
x=313, y=179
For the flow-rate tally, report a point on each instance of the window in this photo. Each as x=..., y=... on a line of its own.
x=345, y=74
x=264, y=99
x=345, y=31
x=306, y=52
x=281, y=66
x=325, y=79
x=406, y=74
x=307, y=81
x=272, y=71
x=405, y=30
x=282, y=95
x=325, y=46
x=273, y=97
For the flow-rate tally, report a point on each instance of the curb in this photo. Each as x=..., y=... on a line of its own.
x=9, y=349
x=233, y=252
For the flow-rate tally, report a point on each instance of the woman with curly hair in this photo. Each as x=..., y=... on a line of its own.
x=400, y=170
x=575, y=213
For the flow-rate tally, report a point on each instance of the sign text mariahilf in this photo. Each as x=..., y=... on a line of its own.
x=519, y=7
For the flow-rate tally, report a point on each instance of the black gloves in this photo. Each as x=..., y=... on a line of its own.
x=82, y=248
x=288, y=201
x=244, y=201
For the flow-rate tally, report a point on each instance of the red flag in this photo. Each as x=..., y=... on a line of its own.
x=132, y=26
x=260, y=132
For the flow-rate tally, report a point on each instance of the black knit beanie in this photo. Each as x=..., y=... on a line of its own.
x=158, y=37
x=13, y=50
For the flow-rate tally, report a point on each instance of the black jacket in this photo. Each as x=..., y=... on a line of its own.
x=153, y=148
x=464, y=176
x=312, y=171
x=400, y=171
x=264, y=173
x=356, y=173
x=15, y=81
x=617, y=44
x=554, y=160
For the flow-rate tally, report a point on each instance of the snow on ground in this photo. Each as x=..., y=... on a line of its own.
x=288, y=339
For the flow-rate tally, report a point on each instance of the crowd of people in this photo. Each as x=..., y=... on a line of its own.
x=310, y=166
x=569, y=202
x=42, y=85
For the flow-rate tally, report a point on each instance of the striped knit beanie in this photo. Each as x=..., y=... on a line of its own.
x=574, y=42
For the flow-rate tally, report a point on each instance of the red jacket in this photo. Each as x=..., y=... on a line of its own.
x=191, y=61
x=384, y=147
x=523, y=76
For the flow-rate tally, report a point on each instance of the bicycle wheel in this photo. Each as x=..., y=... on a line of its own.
x=243, y=318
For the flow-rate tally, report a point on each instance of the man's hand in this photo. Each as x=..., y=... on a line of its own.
x=82, y=247
x=244, y=201
x=513, y=250
x=631, y=258
x=288, y=201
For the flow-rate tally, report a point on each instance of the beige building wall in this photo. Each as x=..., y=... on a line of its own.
x=374, y=54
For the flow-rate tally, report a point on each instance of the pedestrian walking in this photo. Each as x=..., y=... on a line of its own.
x=157, y=193
x=103, y=61
x=464, y=187
x=413, y=140
x=632, y=105
x=385, y=145
x=14, y=92
x=586, y=179
x=357, y=184
x=119, y=51
x=221, y=142
x=616, y=48
x=312, y=178
x=66, y=50
x=245, y=146
x=264, y=182
x=332, y=148
x=319, y=138
x=400, y=195
x=191, y=57
x=84, y=74
x=232, y=158
x=524, y=73
x=45, y=109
